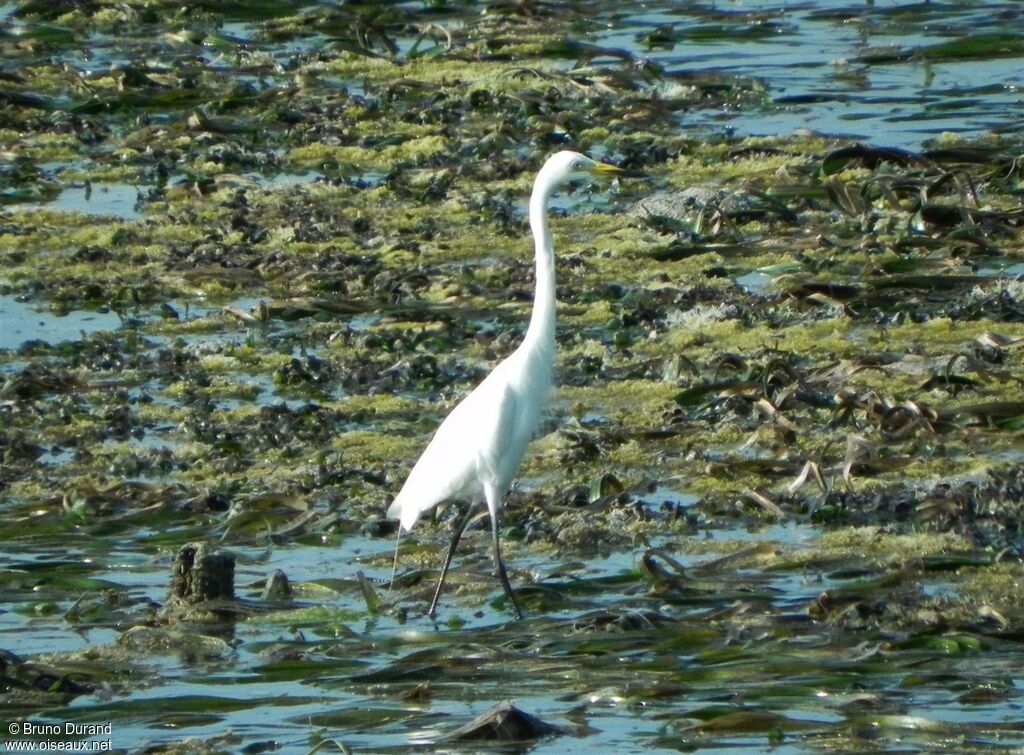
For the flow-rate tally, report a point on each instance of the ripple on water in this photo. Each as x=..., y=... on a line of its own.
x=892, y=102
x=815, y=77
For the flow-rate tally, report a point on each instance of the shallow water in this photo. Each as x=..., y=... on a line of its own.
x=633, y=644
x=27, y=321
x=814, y=80
x=104, y=200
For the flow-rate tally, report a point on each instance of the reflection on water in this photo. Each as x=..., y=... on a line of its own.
x=812, y=61
x=107, y=200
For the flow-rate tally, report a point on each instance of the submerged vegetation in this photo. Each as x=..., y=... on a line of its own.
x=779, y=498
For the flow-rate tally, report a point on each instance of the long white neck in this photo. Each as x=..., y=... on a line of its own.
x=541, y=333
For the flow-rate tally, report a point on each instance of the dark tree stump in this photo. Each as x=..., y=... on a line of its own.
x=202, y=573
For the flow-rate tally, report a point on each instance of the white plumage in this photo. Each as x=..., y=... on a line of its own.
x=481, y=443
x=477, y=450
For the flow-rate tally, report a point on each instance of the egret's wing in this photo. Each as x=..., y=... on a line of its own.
x=450, y=465
x=497, y=436
x=443, y=470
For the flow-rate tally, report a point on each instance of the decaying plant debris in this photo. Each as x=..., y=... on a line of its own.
x=780, y=494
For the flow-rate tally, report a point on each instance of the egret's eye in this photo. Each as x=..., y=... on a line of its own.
x=577, y=165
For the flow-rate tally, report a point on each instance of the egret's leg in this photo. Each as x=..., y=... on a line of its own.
x=499, y=565
x=448, y=556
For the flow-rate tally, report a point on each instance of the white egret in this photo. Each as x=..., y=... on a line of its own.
x=478, y=448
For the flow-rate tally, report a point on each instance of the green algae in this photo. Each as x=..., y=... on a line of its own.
x=287, y=433
x=414, y=150
x=999, y=584
x=873, y=543
x=315, y=616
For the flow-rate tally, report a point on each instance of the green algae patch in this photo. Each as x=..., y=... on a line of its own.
x=432, y=73
x=873, y=543
x=628, y=401
x=414, y=150
x=381, y=406
x=375, y=448
x=990, y=595
x=310, y=616
x=783, y=451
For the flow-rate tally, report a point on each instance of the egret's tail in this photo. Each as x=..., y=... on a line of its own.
x=404, y=513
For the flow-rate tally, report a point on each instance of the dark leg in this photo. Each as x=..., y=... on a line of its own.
x=499, y=565
x=449, y=555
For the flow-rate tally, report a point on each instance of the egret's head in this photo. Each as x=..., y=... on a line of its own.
x=567, y=166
